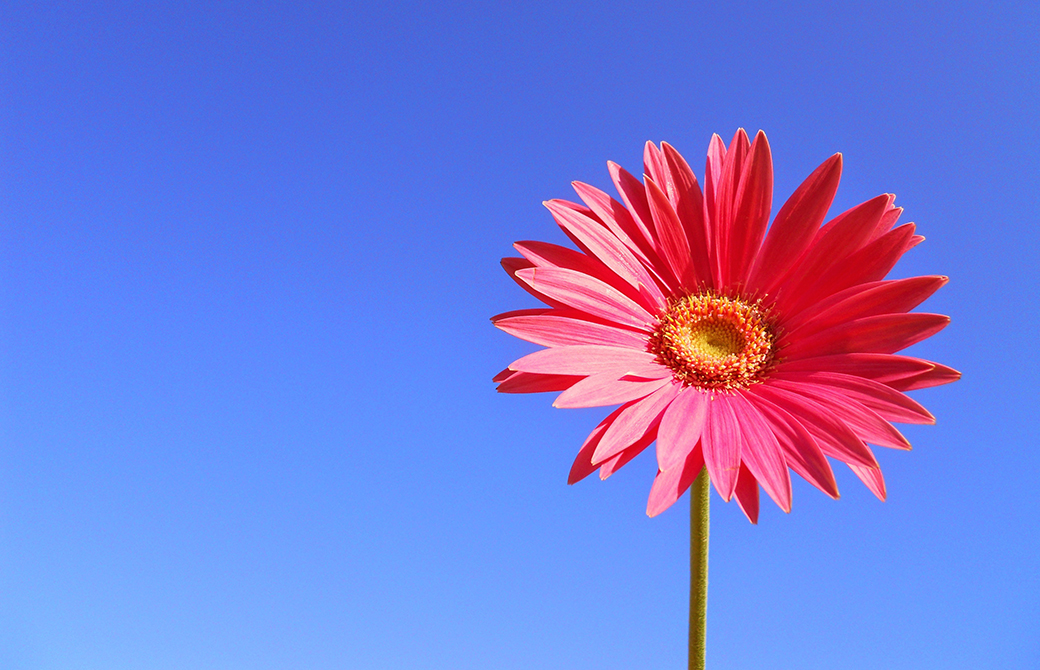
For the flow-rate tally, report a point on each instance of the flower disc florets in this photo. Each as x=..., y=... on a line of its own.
x=713, y=342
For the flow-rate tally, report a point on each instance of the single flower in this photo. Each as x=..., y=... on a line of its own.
x=745, y=348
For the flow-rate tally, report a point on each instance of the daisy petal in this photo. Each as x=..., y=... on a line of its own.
x=939, y=374
x=615, y=462
x=801, y=452
x=634, y=420
x=763, y=455
x=881, y=334
x=526, y=382
x=586, y=294
x=796, y=223
x=670, y=485
x=886, y=297
x=605, y=388
x=583, y=359
x=833, y=436
x=883, y=368
x=688, y=203
x=890, y=404
x=674, y=246
x=722, y=440
x=598, y=242
x=681, y=428
x=560, y=328
x=754, y=197
x=873, y=478
x=747, y=494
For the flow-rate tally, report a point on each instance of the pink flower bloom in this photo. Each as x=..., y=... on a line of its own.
x=744, y=350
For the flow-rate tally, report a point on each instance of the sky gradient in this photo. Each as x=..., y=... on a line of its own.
x=248, y=253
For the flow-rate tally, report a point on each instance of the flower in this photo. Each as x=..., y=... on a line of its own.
x=748, y=351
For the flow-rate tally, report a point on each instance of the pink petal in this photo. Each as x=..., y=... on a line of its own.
x=881, y=334
x=582, y=359
x=560, y=328
x=713, y=175
x=605, y=388
x=939, y=374
x=583, y=466
x=833, y=435
x=725, y=205
x=889, y=403
x=681, y=428
x=598, y=242
x=721, y=441
x=545, y=255
x=747, y=494
x=618, y=220
x=688, y=203
x=795, y=225
x=615, y=462
x=513, y=265
x=884, y=368
x=754, y=197
x=634, y=196
x=849, y=232
x=886, y=297
x=670, y=485
x=588, y=295
x=864, y=422
x=673, y=244
x=762, y=453
x=654, y=166
x=635, y=420
x=872, y=478
x=801, y=452
x=527, y=382
x=869, y=264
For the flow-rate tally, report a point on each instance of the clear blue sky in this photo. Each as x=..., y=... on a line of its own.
x=248, y=252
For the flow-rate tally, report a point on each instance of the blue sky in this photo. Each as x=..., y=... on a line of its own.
x=248, y=252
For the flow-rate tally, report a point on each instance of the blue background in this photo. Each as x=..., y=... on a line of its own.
x=248, y=252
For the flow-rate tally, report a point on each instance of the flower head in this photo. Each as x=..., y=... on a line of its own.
x=745, y=348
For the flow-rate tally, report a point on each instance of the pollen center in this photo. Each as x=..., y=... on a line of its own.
x=713, y=342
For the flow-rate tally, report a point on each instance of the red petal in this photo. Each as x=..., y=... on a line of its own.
x=795, y=225
x=801, y=452
x=528, y=382
x=598, y=242
x=635, y=420
x=872, y=478
x=671, y=235
x=681, y=426
x=890, y=404
x=582, y=359
x=754, y=197
x=688, y=203
x=761, y=452
x=588, y=295
x=832, y=434
x=849, y=231
x=886, y=297
x=615, y=462
x=940, y=374
x=721, y=441
x=670, y=485
x=882, y=334
x=618, y=220
x=560, y=328
x=884, y=368
x=605, y=388
x=747, y=494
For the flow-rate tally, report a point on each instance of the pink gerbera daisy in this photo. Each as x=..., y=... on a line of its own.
x=748, y=351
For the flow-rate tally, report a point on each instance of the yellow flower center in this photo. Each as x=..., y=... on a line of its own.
x=713, y=342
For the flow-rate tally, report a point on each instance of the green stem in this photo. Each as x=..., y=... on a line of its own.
x=699, y=500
